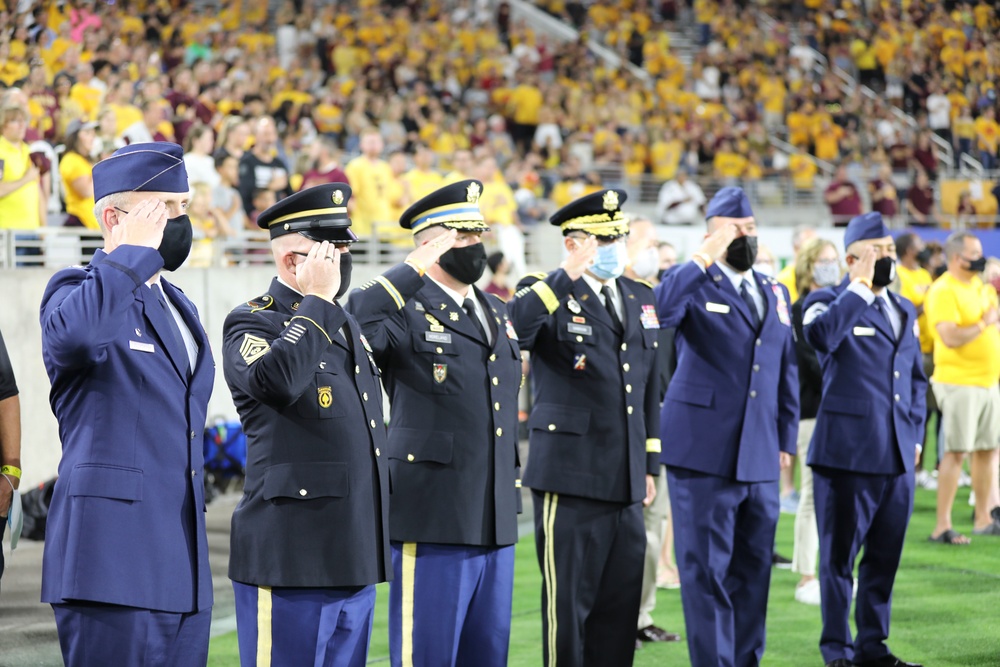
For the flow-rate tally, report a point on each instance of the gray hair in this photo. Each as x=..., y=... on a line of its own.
x=956, y=244
x=117, y=200
x=799, y=232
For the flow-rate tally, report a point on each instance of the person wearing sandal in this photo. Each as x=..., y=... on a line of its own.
x=962, y=314
x=867, y=438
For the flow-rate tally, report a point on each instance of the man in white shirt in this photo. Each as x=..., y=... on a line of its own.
x=939, y=113
x=680, y=201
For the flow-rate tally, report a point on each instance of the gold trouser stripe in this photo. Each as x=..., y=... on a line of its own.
x=653, y=445
x=309, y=319
x=545, y=293
x=263, y=626
x=409, y=570
x=391, y=289
x=549, y=573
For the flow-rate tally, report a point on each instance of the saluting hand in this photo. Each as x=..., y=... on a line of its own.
x=319, y=273
x=717, y=242
x=864, y=266
x=428, y=252
x=142, y=226
x=581, y=257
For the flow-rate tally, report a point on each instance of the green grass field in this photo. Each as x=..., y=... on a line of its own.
x=946, y=611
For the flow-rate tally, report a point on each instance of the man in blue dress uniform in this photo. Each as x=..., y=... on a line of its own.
x=126, y=555
x=869, y=431
x=592, y=334
x=729, y=419
x=452, y=369
x=310, y=536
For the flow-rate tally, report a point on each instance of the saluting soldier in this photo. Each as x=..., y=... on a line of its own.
x=868, y=436
x=730, y=417
x=592, y=335
x=310, y=535
x=452, y=370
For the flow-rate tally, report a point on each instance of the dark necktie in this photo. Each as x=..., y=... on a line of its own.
x=751, y=304
x=610, y=305
x=470, y=308
x=175, y=331
x=882, y=307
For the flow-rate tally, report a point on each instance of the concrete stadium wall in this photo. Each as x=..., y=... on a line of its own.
x=215, y=292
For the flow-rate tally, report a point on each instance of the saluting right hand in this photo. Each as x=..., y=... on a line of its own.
x=319, y=273
x=864, y=266
x=717, y=242
x=142, y=226
x=428, y=252
x=580, y=258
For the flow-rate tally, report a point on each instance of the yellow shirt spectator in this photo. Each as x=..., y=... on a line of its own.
x=803, y=171
x=88, y=98
x=370, y=181
x=977, y=363
x=988, y=133
x=787, y=278
x=729, y=165
x=913, y=284
x=71, y=167
x=525, y=102
x=18, y=208
x=421, y=183
x=497, y=204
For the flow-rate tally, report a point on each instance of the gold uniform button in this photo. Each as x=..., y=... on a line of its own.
x=624, y=346
x=496, y=381
x=365, y=396
x=496, y=406
x=552, y=427
x=357, y=370
x=628, y=389
x=409, y=457
x=499, y=432
x=625, y=367
x=438, y=350
x=372, y=422
x=377, y=452
x=629, y=410
x=303, y=492
x=493, y=357
x=579, y=339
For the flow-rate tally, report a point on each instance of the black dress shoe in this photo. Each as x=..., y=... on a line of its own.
x=887, y=661
x=651, y=633
x=840, y=662
x=781, y=562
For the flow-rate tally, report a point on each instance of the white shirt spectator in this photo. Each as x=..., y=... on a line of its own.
x=938, y=112
x=679, y=203
x=804, y=55
x=548, y=132
x=201, y=169
x=137, y=133
x=707, y=86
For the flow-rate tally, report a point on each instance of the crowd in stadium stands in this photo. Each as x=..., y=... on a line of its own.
x=267, y=104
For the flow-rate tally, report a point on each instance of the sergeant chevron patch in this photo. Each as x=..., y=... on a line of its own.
x=253, y=348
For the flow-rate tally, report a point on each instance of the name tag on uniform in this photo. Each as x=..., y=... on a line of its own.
x=582, y=329
x=142, y=347
x=864, y=331
x=717, y=307
x=434, y=337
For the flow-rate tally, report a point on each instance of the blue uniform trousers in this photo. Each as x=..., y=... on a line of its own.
x=91, y=633
x=855, y=510
x=450, y=605
x=724, y=538
x=323, y=627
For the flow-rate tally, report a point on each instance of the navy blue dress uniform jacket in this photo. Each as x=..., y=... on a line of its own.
x=453, y=457
x=733, y=401
x=126, y=525
x=594, y=422
x=873, y=385
x=314, y=512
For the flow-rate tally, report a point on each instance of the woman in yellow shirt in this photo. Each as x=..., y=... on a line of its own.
x=20, y=194
x=77, y=175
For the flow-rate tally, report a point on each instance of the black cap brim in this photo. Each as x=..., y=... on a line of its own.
x=333, y=235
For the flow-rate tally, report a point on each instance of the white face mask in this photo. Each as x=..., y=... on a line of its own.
x=646, y=263
x=766, y=269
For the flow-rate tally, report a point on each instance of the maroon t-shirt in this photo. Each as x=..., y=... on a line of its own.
x=922, y=198
x=848, y=206
x=885, y=206
x=315, y=177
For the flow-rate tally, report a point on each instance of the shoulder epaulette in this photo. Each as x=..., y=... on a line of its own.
x=643, y=282
x=261, y=303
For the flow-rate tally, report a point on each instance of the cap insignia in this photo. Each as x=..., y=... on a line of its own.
x=472, y=193
x=338, y=197
x=610, y=200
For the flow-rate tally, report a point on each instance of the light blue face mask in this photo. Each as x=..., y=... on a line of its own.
x=610, y=261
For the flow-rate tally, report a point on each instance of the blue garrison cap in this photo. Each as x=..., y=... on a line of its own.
x=866, y=226
x=156, y=166
x=730, y=202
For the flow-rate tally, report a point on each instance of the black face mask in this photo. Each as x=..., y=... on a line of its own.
x=742, y=253
x=976, y=265
x=176, y=244
x=924, y=256
x=345, y=274
x=885, y=272
x=466, y=265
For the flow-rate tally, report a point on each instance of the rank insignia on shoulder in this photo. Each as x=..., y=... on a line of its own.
x=325, y=396
x=253, y=348
x=440, y=373
x=453, y=316
x=574, y=306
x=419, y=307
x=579, y=362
